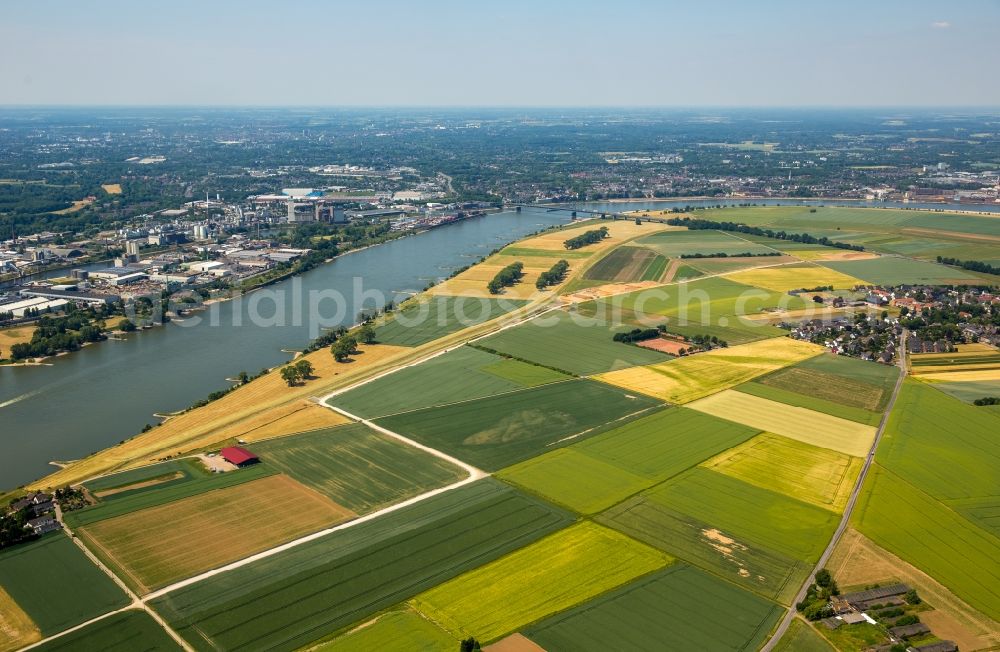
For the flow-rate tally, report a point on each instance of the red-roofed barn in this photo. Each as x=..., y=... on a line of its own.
x=239, y=456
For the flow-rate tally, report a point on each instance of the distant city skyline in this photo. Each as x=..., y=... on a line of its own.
x=448, y=53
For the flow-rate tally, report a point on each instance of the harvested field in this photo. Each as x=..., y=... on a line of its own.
x=153, y=546
x=514, y=643
x=298, y=596
x=112, y=188
x=790, y=421
x=14, y=335
x=497, y=431
x=619, y=231
x=473, y=282
x=396, y=631
x=625, y=264
x=679, y=608
x=16, y=628
x=693, y=377
x=670, y=347
x=975, y=376
x=809, y=473
x=54, y=583
x=425, y=320
x=357, y=467
x=831, y=254
x=553, y=574
x=123, y=632
x=794, y=277
x=288, y=419
x=857, y=561
x=598, y=291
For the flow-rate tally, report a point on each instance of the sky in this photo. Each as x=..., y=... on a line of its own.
x=502, y=53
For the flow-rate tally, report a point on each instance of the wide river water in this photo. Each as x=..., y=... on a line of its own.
x=105, y=393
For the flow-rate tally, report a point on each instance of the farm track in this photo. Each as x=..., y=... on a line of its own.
x=852, y=501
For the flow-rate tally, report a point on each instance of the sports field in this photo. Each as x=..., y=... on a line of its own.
x=891, y=270
x=679, y=608
x=55, y=584
x=807, y=426
x=123, y=632
x=357, y=467
x=674, y=244
x=553, y=574
x=497, y=431
x=626, y=264
x=291, y=599
x=692, y=377
x=603, y=470
x=809, y=473
x=152, y=547
x=461, y=374
x=571, y=342
x=428, y=319
x=795, y=277
x=396, y=631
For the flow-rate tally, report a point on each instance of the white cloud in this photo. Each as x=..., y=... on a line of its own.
x=941, y=24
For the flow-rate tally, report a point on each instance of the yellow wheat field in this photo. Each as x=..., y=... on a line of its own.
x=112, y=188
x=792, y=277
x=695, y=376
x=962, y=376
x=16, y=628
x=832, y=254
x=619, y=231
x=473, y=281
x=816, y=428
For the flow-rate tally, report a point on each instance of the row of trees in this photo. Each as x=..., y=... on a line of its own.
x=636, y=335
x=971, y=265
x=697, y=224
x=298, y=371
x=506, y=277
x=553, y=276
x=587, y=238
x=722, y=254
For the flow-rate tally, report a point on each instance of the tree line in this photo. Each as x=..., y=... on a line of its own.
x=698, y=224
x=506, y=277
x=553, y=276
x=971, y=265
x=587, y=238
x=722, y=254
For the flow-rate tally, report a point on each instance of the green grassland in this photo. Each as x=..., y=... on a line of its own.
x=852, y=383
x=514, y=250
x=553, y=574
x=497, y=431
x=890, y=270
x=313, y=590
x=396, y=631
x=187, y=469
x=674, y=244
x=358, y=467
x=603, y=470
x=625, y=264
x=165, y=493
x=679, y=608
x=423, y=321
x=571, y=342
x=122, y=632
x=913, y=525
x=55, y=584
x=801, y=637
x=942, y=446
x=459, y=375
x=810, y=402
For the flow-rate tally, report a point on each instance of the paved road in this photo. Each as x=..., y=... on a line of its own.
x=825, y=557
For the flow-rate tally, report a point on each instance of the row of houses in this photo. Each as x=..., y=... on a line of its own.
x=41, y=507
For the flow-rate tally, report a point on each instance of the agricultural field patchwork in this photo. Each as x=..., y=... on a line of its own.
x=679, y=608
x=311, y=591
x=425, y=320
x=795, y=277
x=461, y=374
x=692, y=377
x=627, y=264
x=357, y=467
x=152, y=547
x=838, y=379
x=55, y=585
x=553, y=574
x=497, y=431
x=815, y=428
x=809, y=473
x=155, y=477
x=122, y=632
x=603, y=470
x=809, y=402
x=571, y=342
x=396, y=631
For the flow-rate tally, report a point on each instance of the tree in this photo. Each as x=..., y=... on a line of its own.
x=342, y=349
x=469, y=645
x=304, y=368
x=911, y=597
x=126, y=325
x=243, y=378
x=290, y=375
x=367, y=334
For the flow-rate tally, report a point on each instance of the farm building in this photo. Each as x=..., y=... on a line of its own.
x=909, y=631
x=238, y=456
x=892, y=594
x=940, y=646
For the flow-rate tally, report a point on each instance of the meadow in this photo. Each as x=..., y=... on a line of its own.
x=801, y=637
x=123, y=632
x=55, y=584
x=798, y=423
x=969, y=391
x=570, y=342
x=692, y=377
x=814, y=475
x=304, y=594
x=357, y=467
x=553, y=574
x=497, y=431
x=424, y=320
x=395, y=631
x=679, y=608
x=152, y=547
x=674, y=244
x=603, y=470
x=459, y=375
x=892, y=270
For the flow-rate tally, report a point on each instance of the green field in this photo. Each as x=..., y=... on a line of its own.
x=498, y=431
x=628, y=264
x=679, y=608
x=674, y=244
x=421, y=322
x=810, y=402
x=655, y=270
x=891, y=270
x=861, y=387
x=165, y=493
x=934, y=360
x=163, y=475
x=558, y=572
x=122, y=632
x=603, y=470
x=801, y=637
x=571, y=342
x=937, y=540
x=311, y=591
x=459, y=375
x=396, y=631
x=514, y=250
x=358, y=467
x=55, y=584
